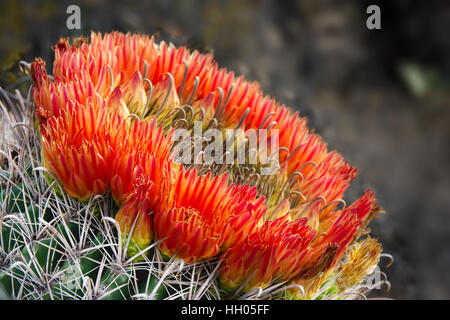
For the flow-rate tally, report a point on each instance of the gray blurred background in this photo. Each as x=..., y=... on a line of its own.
x=380, y=97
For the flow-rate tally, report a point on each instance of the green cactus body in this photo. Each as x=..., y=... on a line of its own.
x=148, y=284
x=74, y=273
x=5, y=285
x=116, y=283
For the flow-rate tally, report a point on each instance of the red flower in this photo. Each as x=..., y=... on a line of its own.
x=201, y=216
x=140, y=148
x=274, y=251
x=75, y=148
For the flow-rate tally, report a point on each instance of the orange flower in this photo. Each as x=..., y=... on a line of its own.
x=140, y=148
x=112, y=59
x=288, y=250
x=113, y=54
x=365, y=209
x=39, y=74
x=134, y=216
x=328, y=247
x=328, y=177
x=274, y=251
x=51, y=98
x=75, y=148
x=337, y=231
x=201, y=216
x=168, y=59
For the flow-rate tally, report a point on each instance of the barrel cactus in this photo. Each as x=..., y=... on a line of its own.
x=103, y=198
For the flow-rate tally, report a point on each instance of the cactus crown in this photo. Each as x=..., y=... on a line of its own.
x=93, y=205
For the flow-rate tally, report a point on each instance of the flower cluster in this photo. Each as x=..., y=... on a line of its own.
x=106, y=118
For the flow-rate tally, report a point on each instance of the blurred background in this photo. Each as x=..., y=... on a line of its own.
x=380, y=97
